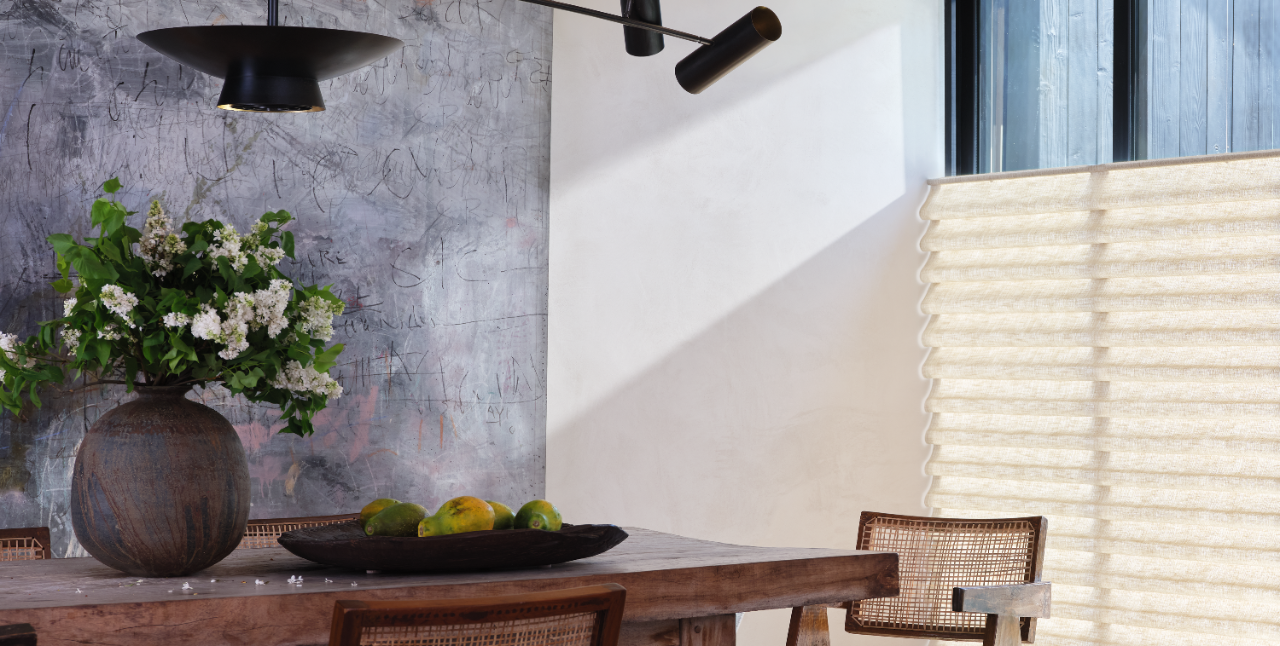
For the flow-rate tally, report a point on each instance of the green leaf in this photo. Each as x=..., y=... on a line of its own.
x=300, y=354
x=114, y=219
x=326, y=360
x=112, y=185
x=130, y=372
x=130, y=235
x=199, y=245
x=252, y=269
x=250, y=380
x=35, y=399
x=286, y=243
x=91, y=268
x=103, y=351
x=192, y=266
x=110, y=250
x=63, y=286
x=98, y=212
x=61, y=242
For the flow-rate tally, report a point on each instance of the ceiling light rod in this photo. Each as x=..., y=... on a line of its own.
x=273, y=13
x=639, y=24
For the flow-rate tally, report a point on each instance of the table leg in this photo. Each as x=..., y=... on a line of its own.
x=809, y=627
x=718, y=630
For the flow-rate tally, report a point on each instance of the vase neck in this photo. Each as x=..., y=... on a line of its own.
x=163, y=391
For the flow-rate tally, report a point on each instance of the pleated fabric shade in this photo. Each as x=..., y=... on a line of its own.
x=1106, y=352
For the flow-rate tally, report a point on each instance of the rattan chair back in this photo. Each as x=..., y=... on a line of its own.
x=936, y=555
x=264, y=532
x=590, y=616
x=25, y=544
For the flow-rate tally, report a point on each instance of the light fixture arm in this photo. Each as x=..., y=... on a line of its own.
x=639, y=24
x=273, y=13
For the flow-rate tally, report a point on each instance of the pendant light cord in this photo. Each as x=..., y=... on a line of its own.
x=638, y=24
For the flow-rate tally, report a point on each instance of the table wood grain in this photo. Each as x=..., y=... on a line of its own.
x=668, y=577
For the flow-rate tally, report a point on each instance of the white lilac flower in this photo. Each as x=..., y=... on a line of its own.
x=68, y=305
x=268, y=257
x=109, y=332
x=119, y=302
x=159, y=244
x=235, y=340
x=176, y=319
x=71, y=337
x=207, y=324
x=9, y=345
x=317, y=317
x=307, y=380
x=229, y=246
x=269, y=306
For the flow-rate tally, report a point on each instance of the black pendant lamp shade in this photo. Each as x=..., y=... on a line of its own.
x=270, y=68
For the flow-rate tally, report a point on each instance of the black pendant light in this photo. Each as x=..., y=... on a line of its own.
x=270, y=68
x=643, y=31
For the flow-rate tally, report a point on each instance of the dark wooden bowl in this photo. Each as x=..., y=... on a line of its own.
x=344, y=545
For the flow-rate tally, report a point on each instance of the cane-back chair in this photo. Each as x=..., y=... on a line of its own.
x=25, y=544
x=590, y=616
x=264, y=531
x=949, y=564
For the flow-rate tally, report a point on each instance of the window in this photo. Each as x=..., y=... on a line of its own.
x=1052, y=83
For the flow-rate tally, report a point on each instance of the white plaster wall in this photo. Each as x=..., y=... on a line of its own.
x=734, y=320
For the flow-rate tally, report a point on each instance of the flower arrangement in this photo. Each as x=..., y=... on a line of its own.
x=198, y=304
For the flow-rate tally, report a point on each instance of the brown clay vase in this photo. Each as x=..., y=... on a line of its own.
x=161, y=486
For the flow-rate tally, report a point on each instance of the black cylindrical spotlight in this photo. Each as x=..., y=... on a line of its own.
x=729, y=49
x=642, y=42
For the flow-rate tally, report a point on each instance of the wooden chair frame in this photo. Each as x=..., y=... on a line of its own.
x=293, y=523
x=351, y=617
x=1039, y=526
x=40, y=534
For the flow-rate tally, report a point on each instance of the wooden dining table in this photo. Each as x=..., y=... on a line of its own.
x=680, y=592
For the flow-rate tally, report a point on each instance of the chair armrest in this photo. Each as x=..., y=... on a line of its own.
x=1023, y=600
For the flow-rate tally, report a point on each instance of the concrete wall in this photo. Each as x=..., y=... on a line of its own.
x=734, y=321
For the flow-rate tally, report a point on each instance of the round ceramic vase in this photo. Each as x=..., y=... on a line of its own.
x=161, y=486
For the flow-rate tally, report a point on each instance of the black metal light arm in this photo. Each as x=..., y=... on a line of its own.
x=638, y=24
x=273, y=13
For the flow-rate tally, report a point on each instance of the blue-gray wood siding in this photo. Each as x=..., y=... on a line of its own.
x=1214, y=74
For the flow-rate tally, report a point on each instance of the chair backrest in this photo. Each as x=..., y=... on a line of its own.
x=264, y=531
x=936, y=555
x=25, y=544
x=590, y=616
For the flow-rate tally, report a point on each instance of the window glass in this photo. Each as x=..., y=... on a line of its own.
x=1205, y=79
x=1045, y=83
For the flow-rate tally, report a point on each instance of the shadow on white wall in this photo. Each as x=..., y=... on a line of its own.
x=734, y=307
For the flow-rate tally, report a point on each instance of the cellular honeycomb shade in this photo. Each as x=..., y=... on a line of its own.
x=1105, y=351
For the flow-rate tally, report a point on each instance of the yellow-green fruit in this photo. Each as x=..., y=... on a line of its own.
x=458, y=516
x=538, y=514
x=503, y=518
x=372, y=509
x=400, y=519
